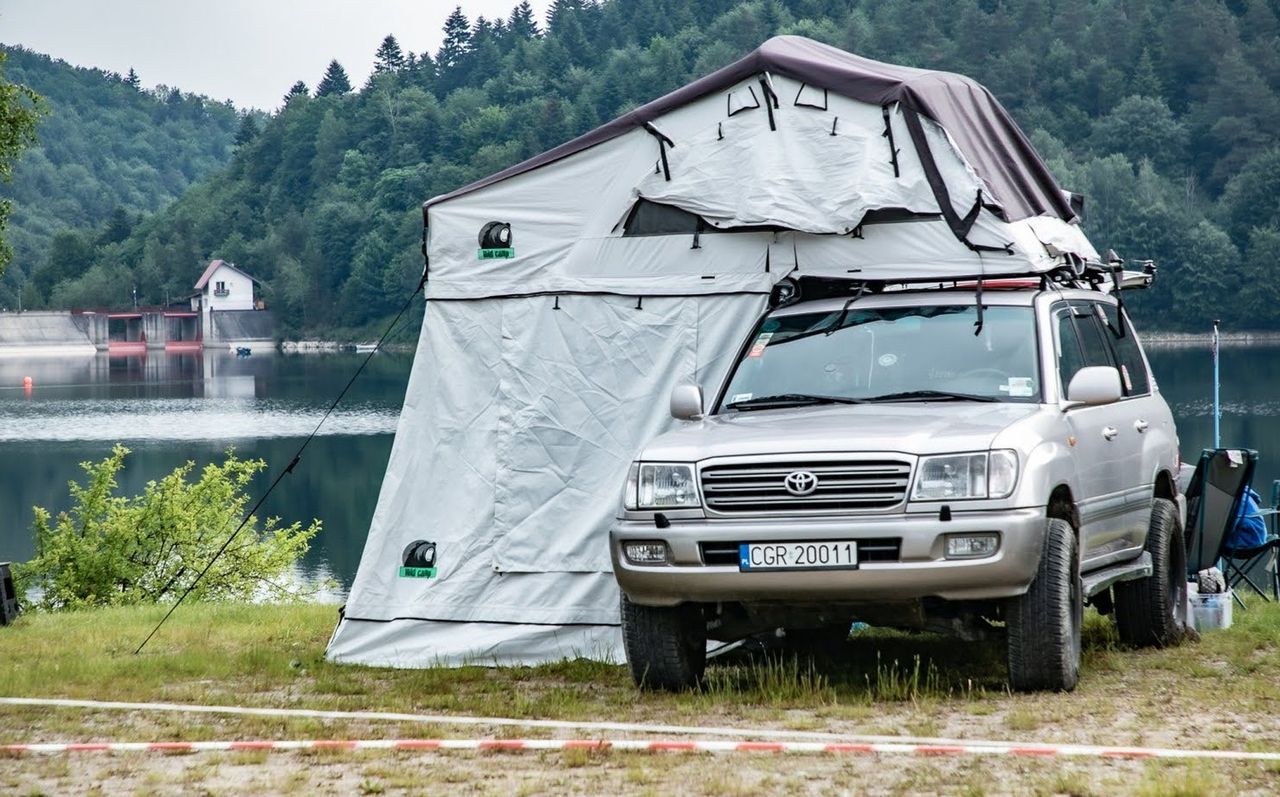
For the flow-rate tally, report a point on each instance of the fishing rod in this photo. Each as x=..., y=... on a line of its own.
x=293, y=463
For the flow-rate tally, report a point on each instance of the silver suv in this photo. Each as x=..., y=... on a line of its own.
x=910, y=460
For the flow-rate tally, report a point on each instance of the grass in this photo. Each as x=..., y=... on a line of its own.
x=270, y=655
x=273, y=655
x=1219, y=693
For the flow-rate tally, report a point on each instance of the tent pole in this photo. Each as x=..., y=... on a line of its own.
x=1217, y=406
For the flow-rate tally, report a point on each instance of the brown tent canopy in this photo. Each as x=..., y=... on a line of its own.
x=982, y=129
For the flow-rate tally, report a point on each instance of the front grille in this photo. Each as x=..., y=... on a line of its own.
x=880, y=549
x=848, y=486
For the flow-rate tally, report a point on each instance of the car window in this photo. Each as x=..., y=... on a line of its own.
x=1080, y=341
x=1133, y=369
x=867, y=353
x=1070, y=358
x=1092, y=339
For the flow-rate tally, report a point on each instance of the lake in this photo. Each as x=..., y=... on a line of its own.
x=171, y=408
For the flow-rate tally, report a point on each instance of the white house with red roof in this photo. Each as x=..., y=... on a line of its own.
x=222, y=287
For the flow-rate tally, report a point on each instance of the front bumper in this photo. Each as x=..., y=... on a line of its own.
x=920, y=571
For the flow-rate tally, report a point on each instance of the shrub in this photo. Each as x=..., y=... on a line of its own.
x=110, y=550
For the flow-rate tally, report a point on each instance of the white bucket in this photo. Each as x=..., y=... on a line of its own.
x=1209, y=611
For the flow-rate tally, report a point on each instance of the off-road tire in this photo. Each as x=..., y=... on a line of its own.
x=1152, y=611
x=666, y=646
x=1044, y=623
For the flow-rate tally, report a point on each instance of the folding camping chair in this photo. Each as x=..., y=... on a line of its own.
x=1213, y=501
x=1240, y=564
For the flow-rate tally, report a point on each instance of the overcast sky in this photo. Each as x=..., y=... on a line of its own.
x=248, y=51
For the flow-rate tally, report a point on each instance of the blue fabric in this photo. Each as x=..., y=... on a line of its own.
x=1249, y=529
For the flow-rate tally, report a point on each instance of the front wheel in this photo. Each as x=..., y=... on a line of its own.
x=1152, y=611
x=666, y=646
x=1044, y=623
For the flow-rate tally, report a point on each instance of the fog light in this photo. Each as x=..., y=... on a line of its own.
x=972, y=546
x=645, y=553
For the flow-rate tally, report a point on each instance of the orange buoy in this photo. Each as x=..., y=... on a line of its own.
x=26, y=381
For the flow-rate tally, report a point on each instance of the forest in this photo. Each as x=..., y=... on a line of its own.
x=1163, y=113
x=107, y=153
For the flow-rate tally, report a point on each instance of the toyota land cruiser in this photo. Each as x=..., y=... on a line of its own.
x=915, y=459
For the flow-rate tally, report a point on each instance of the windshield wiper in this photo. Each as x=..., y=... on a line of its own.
x=786, y=399
x=927, y=395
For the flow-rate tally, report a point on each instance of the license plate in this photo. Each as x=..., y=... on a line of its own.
x=828, y=555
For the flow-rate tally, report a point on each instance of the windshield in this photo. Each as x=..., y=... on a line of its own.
x=888, y=354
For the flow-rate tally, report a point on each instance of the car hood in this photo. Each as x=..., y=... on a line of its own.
x=911, y=428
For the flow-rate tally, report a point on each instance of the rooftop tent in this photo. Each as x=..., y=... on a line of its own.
x=570, y=293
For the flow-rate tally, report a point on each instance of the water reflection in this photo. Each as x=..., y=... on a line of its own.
x=170, y=408
x=209, y=395
x=1250, y=404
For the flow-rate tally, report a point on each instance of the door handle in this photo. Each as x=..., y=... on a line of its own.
x=1110, y=432
x=1141, y=425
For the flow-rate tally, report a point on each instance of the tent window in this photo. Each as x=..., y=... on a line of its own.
x=744, y=99
x=652, y=218
x=811, y=97
x=895, y=215
x=655, y=218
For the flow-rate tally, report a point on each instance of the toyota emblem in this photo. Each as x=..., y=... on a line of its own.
x=800, y=482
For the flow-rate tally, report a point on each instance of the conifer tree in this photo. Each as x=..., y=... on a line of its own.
x=485, y=59
x=132, y=79
x=248, y=130
x=522, y=24
x=457, y=41
x=564, y=23
x=298, y=89
x=389, y=57
x=119, y=225
x=335, y=81
x=559, y=11
x=422, y=70
x=1145, y=81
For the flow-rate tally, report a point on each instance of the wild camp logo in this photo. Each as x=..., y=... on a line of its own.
x=419, y=560
x=496, y=242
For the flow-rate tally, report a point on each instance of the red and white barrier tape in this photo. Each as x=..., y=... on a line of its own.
x=635, y=745
x=575, y=726
x=829, y=742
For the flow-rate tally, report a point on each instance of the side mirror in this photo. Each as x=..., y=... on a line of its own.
x=686, y=402
x=1097, y=384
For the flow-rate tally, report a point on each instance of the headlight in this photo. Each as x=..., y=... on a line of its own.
x=1002, y=473
x=660, y=487
x=956, y=477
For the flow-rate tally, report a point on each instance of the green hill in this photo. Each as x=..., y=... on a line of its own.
x=1164, y=113
x=107, y=153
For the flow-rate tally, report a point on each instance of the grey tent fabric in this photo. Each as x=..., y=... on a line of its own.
x=636, y=258
x=982, y=129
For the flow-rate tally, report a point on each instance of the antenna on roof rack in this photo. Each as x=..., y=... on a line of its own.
x=1115, y=264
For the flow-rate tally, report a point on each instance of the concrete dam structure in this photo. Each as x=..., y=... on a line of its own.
x=46, y=333
x=131, y=331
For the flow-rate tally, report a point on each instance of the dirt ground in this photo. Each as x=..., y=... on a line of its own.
x=1046, y=718
x=579, y=772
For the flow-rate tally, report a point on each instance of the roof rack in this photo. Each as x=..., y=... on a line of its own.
x=1105, y=278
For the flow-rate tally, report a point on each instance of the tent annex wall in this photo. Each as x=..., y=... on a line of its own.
x=641, y=255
